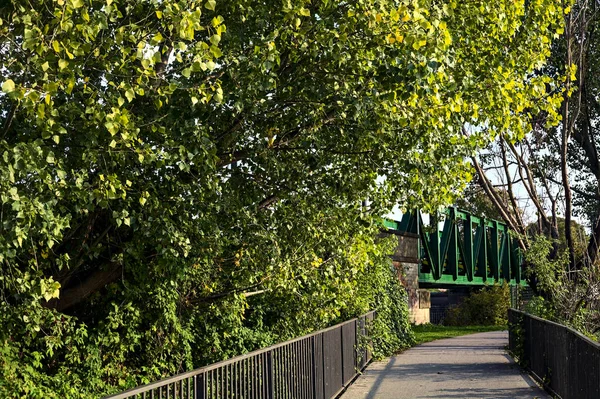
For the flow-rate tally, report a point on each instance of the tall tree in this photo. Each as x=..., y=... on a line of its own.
x=173, y=172
x=556, y=167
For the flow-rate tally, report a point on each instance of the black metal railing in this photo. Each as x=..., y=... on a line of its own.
x=520, y=296
x=566, y=362
x=315, y=366
x=437, y=314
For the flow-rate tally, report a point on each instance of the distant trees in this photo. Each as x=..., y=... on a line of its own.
x=475, y=200
x=181, y=180
x=580, y=236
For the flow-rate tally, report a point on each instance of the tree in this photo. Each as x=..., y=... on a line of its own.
x=539, y=164
x=557, y=166
x=580, y=236
x=182, y=180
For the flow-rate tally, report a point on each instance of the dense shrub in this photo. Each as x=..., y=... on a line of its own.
x=540, y=307
x=566, y=297
x=153, y=334
x=486, y=307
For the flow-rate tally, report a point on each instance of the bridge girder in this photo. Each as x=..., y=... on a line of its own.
x=468, y=250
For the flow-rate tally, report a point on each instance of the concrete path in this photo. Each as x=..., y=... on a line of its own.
x=471, y=366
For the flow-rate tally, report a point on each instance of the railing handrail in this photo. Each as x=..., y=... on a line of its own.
x=192, y=373
x=560, y=358
x=570, y=329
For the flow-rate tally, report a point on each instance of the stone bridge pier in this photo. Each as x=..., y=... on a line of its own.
x=406, y=262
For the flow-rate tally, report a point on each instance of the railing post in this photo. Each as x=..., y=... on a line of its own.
x=323, y=348
x=342, y=354
x=314, y=366
x=270, y=389
x=200, y=382
x=355, y=346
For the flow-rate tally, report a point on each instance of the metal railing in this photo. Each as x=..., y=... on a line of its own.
x=316, y=366
x=437, y=314
x=566, y=362
x=520, y=296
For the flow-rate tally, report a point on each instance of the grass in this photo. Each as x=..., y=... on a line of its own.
x=431, y=332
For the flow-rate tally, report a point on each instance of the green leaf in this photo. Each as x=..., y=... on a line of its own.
x=418, y=44
x=8, y=86
x=157, y=39
x=219, y=95
x=215, y=39
x=63, y=63
x=130, y=94
x=216, y=21
x=51, y=290
x=210, y=4
x=112, y=129
x=216, y=52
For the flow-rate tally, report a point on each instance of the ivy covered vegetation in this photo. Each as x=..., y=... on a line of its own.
x=182, y=181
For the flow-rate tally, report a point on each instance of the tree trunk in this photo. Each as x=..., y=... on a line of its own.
x=93, y=283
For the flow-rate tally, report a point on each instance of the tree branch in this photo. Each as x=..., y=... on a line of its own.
x=93, y=283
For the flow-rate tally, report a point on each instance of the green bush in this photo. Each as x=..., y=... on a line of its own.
x=540, y=307
x=487, y=307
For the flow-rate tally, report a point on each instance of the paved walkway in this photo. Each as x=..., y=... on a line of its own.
x=471, y=366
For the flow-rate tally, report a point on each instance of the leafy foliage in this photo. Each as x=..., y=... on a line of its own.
x=580, y=236
x=553, y=172
x=391, y=329
x=487, y=307
x=538, y=306
x=182, y=180
x=572, y=298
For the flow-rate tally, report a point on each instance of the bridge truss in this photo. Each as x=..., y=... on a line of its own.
x=458, y=248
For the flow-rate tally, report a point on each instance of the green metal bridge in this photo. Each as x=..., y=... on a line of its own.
x=468, y=250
